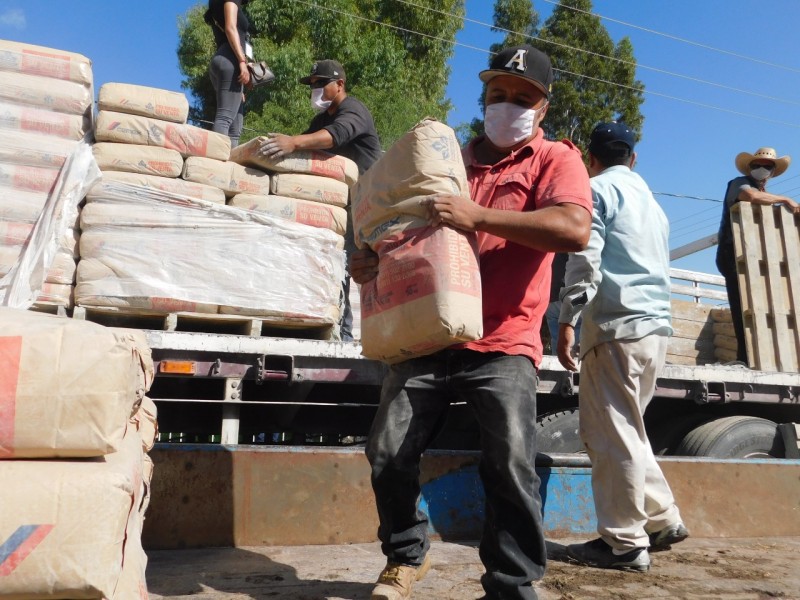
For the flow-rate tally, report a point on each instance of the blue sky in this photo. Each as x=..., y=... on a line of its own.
x=721, y=77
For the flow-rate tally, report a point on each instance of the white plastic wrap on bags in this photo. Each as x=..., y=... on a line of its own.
x=62, y=270
x=136, y=158
x=187, y=139
x=227, y=257
x=21, y=205
x=34, y=150
x=44, y=92
x=180, y=187
x=306, y=212
x=143, y=101
x=312, y=162
x=29, y=119
x=427, y=294
x=21, y=287
x=228, y=176
x=310, y=187
x=26, y=177
x=45, y=62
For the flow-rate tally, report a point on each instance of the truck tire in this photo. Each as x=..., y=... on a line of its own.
x=665, y=436
x=734, y=437
x=558, y=432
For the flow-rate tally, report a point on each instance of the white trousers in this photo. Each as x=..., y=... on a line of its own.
x=631, y=496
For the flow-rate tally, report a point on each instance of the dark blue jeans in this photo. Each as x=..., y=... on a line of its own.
x=501, y=391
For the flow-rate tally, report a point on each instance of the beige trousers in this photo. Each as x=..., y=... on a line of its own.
x=631, y=496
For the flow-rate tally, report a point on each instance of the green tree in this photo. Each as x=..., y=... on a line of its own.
x=398, y=73
x=595, y=80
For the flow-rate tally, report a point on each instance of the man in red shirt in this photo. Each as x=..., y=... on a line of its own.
x=530, y=198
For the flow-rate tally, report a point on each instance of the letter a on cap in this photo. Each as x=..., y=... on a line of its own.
x=518, y=61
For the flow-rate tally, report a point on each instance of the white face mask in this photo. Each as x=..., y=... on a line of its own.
x=760, y=173
x=507, y=124
x=317, y=103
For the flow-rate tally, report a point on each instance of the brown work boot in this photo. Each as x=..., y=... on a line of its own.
x=395, y=581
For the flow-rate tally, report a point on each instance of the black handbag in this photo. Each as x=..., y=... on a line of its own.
x=260, y=73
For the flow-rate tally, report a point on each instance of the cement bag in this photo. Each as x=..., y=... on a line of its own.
x=136, y=158
x=44, y=92
x=186, y=139
x=18, y=234
x=45, y=62
x=57, y=294
x=71, y=385
x=312, y=162
x=229, y=257
x=24, y=177
x=314, y=214
x=180, y=187
x=34, y=150
x=311, y=187
x=427, y=294
x=143, y=101
x=228, y=176
x=31, y=120
x=72, y=519
x=62, y=269
x=21, y=206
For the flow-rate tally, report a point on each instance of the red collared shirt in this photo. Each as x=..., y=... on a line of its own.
x=515, y=279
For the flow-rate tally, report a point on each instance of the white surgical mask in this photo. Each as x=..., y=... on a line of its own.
x=317, y=103
x=507, y=124
x=760, y=173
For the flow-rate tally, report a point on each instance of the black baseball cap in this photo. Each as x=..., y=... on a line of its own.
x=525, y=62
x=607, y=133
x=325, y=69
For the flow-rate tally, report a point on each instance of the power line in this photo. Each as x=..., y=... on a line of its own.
x=614, y=58
x=683, y=40
x=685, y=196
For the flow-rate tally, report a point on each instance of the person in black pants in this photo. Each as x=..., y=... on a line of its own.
x=756, y=169
x=344, y=126
x=228, y=69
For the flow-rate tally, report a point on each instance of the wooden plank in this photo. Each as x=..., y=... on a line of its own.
x=685, y=290
x=687, y=347
x=692, y=329
x=780, y=340
x=677, y=359
x=790, y=229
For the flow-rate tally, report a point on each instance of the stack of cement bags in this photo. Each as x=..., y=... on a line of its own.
x=142, y=138
x=427, y=294
x=45, y=110
x=306, y=187
x=75, y=428
x=146, y=250
x=725, y=343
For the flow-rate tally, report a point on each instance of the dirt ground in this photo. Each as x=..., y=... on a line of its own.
x=727, y=569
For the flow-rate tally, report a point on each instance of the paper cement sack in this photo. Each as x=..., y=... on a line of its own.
x=137, y=158
x=427, y=294
x=45, y=62
x=21, y=206
x=315, y=214
x=143, y=101
x=166, y=184
x=230, y=177
x=43, y=92
x=28, y=119
x=70, y=386
x=312, y=162
x=311, y=187
x=34, y=150
x=72, y=520
x=187, y=139
x=25, y=177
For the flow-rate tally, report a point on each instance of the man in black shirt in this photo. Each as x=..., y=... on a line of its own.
x=343, y=126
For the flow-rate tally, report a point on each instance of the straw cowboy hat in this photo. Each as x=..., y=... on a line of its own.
x=743, y=160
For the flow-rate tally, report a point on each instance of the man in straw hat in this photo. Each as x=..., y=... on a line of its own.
x=756, y=169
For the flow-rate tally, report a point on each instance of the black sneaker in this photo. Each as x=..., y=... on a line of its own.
x=662, y=540
x=599, y=554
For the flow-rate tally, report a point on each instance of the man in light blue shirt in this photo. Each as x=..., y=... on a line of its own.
x=620, y=285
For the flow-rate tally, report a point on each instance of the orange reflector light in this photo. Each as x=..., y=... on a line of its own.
x=179, y=367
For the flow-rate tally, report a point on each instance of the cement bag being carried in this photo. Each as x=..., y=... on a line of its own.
x=311, y=162
x=70, y=386
x=143, y=101
x=71, y=521
x=427, y=294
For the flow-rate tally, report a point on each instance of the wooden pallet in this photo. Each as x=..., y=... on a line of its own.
x=767, y=242
x=275, y=326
